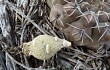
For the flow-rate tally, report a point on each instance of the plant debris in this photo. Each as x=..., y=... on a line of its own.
x=23, y=20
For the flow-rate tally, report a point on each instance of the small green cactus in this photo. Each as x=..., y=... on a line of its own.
x=44, y=46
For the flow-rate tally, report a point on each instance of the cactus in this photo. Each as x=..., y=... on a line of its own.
x=86, y=23
x=44, y=46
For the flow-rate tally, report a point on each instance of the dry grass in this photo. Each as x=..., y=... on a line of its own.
x=26, y=21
